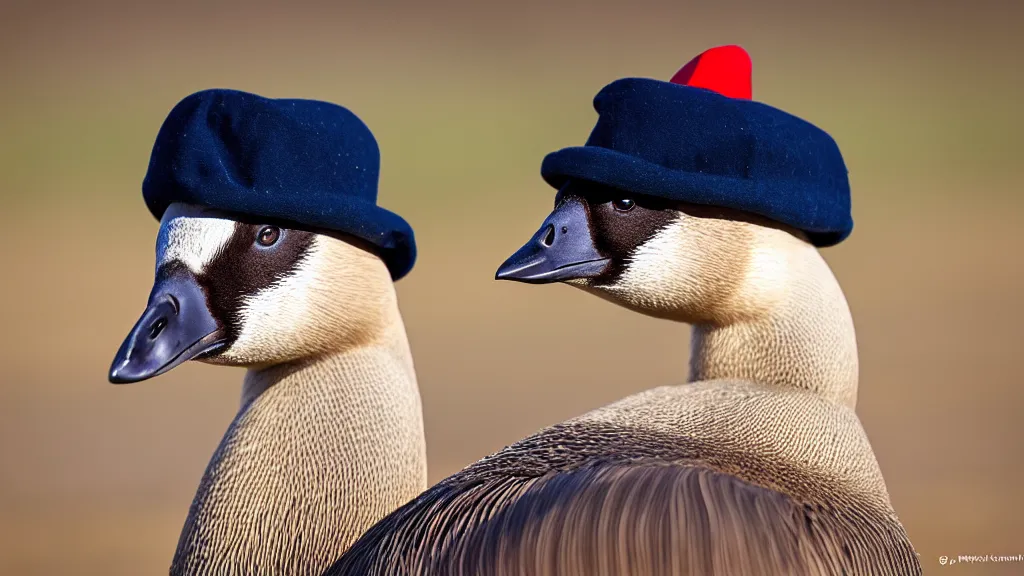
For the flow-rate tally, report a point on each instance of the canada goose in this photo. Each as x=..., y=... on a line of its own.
x=759, y=464
x=329, y=435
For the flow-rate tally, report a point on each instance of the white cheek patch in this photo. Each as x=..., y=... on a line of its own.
x=190, y=238
x=768, y=272
x=687, y=266
x=285, y=304
x=656, y=266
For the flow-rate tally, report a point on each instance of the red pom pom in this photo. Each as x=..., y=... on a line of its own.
x=725, y=69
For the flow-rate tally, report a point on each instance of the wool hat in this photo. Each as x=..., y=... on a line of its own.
x=700, y=139
x=303, y=161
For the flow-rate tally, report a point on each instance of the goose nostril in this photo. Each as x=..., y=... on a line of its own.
x=549, y=237
x=157, y=327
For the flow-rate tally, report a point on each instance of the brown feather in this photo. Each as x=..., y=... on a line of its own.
x=591, y=498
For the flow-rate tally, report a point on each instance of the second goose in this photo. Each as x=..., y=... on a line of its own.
x=692, y=203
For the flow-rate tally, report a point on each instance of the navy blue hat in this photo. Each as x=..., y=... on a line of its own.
x=312, y=163
x=688, y=140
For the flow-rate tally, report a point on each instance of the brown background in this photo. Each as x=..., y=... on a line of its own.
x=465, y=99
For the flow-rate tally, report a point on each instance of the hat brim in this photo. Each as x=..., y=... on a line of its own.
x=389, y=234
x=777, y=200
x=385, y=230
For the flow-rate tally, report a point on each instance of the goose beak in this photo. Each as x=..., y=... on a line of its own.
x=177, y=326
x=563, y=249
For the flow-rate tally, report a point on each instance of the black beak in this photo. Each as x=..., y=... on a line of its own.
x=563, y=249
x=176, y=327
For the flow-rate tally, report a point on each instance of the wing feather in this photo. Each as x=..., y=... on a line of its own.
x=636, y=518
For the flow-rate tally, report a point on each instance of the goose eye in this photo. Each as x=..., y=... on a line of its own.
x=268, y=236
x=623, y=204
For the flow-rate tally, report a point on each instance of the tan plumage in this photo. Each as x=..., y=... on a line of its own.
x=758, y=466
x=329, y=435
x=322, y=451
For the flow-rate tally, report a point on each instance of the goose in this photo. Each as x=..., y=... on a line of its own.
x=272, y=255
x=759, y=463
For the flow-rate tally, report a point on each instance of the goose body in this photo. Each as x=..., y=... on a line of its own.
x=273, y=255
x=757, y=465
x=669, y=481
x=329, y=434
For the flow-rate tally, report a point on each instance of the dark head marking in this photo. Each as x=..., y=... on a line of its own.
x=257, y=255
x=620, y=221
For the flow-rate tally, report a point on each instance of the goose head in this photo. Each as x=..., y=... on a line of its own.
x=234, y=290
x=686, y=262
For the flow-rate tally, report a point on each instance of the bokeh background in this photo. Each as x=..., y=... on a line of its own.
x=465, y=99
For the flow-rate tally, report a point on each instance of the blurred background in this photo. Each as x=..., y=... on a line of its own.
x=465, y=99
